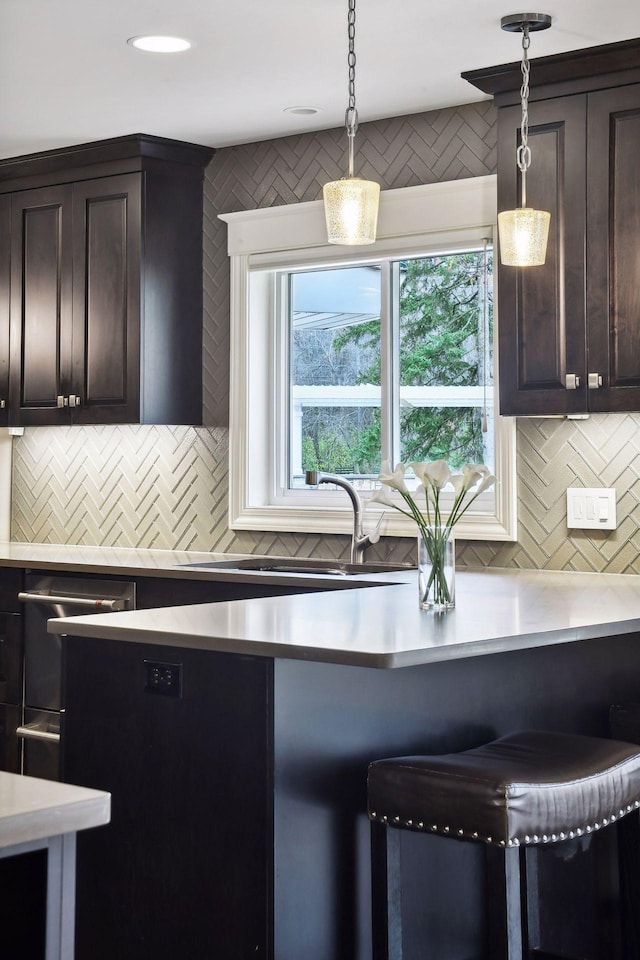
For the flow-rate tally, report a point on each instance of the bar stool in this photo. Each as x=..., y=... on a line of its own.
x=514, y=794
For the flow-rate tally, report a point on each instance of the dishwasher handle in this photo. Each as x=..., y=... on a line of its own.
x=32, y=731
x=91, y=603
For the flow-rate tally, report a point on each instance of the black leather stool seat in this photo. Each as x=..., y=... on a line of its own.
x=526, y=788
x=514, y=794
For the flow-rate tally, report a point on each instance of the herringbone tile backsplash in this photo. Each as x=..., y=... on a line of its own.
x=166, y=487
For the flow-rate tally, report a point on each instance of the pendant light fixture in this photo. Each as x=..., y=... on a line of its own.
x=351, y=204
x=524, y=231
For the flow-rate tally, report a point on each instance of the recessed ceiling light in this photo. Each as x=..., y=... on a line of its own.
x=156, y=44
x=302, y=111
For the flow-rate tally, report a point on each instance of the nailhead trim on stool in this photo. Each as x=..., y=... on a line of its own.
x=512, y=841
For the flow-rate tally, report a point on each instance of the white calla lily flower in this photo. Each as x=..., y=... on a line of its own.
x=473, y=472
x=435, y=528
x=434, y=474
x=472, y=480
x=458, y=483
x=393, y=478
x=383, y=496
x=484, y=484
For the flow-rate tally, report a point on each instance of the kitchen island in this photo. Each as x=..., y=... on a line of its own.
x=239, y=804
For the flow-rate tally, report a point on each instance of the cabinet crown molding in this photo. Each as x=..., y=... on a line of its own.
x=127, y=154
x=597, y=67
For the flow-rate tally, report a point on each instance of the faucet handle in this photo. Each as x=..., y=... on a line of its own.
x=374, y=536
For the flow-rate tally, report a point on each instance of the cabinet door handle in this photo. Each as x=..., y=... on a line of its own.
x=61, y=401
x=74, y=400
x=3, y=404
x=571, y=381
x=595, y=381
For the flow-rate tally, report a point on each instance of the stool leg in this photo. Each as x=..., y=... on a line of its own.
x=507, y=903
x=386, y=905
x=628, y=832
x=529, y=887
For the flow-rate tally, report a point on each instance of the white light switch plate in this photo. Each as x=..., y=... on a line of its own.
x=591, y=508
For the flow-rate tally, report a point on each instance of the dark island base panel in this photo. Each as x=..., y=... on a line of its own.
x=260, y=756
x=181, y=871
x=330, y=721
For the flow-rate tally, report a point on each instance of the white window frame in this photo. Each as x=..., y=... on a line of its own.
x=412, y=221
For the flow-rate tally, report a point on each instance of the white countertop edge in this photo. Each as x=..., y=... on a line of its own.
x=509, y=644
x=33, y=809
x=272, y=649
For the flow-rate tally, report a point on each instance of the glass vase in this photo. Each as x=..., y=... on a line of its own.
x=436, y=569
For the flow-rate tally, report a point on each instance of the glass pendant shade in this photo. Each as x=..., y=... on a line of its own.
x=351, y=210
x=523, y=236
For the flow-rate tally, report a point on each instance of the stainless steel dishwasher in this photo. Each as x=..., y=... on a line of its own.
x=45, y=597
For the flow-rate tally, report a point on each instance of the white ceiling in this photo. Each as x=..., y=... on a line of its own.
x=68, y=76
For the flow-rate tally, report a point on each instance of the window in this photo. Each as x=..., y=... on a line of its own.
x=342, y=357
x=429, y=340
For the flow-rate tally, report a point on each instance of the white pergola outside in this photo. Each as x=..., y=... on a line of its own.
x=368, y=395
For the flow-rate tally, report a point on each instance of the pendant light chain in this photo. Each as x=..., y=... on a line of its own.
x=351, y=114
x=523, y=155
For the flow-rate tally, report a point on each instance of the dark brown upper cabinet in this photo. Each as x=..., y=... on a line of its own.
x=5, y=289
x=569, y=331
x=104, y=254
x=41, y=303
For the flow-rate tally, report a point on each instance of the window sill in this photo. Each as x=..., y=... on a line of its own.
x=315, y=520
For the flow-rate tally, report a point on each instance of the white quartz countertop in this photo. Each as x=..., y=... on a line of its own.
x=33, y=809
x=174, y=564
x=496, y=610
x=116, y=560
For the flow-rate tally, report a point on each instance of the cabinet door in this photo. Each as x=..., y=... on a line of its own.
x=10, y=744
x=41, y=278
x=541, y=309
x=613, y=248
x=11, y=655
x=106, y=300
x=5, y=288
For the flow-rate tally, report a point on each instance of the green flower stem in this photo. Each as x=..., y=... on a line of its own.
x=413, y=506
x=458, y=508
x=435, y=543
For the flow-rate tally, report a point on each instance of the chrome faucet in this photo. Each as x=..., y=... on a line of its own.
x=359, y=540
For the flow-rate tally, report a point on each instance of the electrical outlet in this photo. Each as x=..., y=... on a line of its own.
x=164, y=679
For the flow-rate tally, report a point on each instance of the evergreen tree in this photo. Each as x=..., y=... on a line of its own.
x=440, y=345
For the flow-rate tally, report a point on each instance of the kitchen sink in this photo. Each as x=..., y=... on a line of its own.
x=296, y=565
